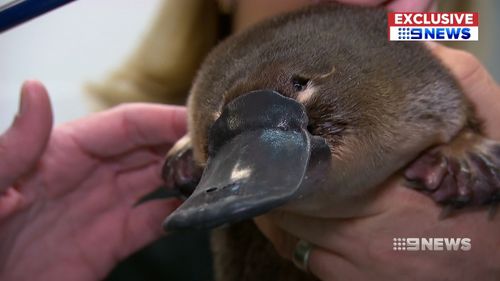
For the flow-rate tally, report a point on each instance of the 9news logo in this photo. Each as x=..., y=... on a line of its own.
x=433, y=26
x=431, y=244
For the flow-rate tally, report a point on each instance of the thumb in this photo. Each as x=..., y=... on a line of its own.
x=24, y=142
x=478, y=85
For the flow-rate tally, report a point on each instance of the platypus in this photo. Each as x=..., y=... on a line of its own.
x=310, y=112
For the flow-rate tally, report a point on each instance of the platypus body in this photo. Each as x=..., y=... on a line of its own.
x=310, y=112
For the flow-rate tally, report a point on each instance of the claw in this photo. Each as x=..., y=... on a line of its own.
x=180, y=170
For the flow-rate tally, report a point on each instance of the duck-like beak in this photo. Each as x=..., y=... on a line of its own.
x=260, y=156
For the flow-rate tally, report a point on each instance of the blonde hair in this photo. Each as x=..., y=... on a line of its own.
x=162, y=67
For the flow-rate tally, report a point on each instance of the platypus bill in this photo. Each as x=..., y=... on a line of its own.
x=311, y=111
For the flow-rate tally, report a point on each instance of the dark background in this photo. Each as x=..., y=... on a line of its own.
x=176, y=257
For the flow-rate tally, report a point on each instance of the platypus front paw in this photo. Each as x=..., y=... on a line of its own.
x=465, y=172
x=180, y=170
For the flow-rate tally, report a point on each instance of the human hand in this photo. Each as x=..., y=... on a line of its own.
x=67, y=196
x=360, y=248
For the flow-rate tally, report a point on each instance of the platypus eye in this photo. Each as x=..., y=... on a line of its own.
x=299, y=83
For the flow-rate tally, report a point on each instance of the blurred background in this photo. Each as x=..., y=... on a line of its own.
x=85, y=40
x=79, y=42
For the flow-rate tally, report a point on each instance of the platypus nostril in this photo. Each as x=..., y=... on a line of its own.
x=233, y=187
x=211, y=189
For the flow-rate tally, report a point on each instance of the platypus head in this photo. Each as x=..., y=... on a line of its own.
x=260, y=156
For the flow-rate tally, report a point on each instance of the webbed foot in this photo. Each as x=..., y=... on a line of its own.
x=465, y=172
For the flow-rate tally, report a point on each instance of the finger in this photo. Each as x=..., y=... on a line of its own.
x=64, y=176
x=128, y=127
x=23, y=143
x=477, y=83
x=284, y=229
x=134, y=184
x=326, y=233
x=135, y=159
x=324, y=264
x=411, y=5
